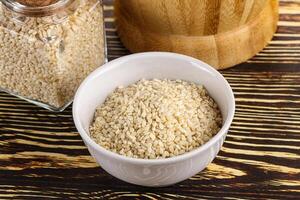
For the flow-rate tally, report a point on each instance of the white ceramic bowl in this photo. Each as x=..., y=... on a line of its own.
x=130, y=69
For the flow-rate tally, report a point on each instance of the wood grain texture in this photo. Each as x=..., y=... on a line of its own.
x=222, y=33
x=43, y=157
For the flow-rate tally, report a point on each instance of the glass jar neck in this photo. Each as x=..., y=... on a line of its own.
x=37, y=11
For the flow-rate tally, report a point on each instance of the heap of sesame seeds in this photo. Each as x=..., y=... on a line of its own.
x=154, y=119
x=46, y=58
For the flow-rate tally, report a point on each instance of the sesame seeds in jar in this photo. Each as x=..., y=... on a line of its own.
x=46, y=51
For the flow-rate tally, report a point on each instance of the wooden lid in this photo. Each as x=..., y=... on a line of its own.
x=37, y=3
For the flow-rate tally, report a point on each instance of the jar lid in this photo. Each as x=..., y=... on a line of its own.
x=37, y=8
x=37, y=3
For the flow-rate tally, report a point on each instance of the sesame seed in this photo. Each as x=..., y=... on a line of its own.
x=167, y=118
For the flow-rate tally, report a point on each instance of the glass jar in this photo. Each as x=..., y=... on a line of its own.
x=46, y=51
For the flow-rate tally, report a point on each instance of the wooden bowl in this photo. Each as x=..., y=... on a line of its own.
x=222, y=33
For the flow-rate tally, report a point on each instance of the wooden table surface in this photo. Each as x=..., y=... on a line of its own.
x=43, y=157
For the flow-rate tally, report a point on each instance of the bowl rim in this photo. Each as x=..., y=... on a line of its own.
x=117, y=63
